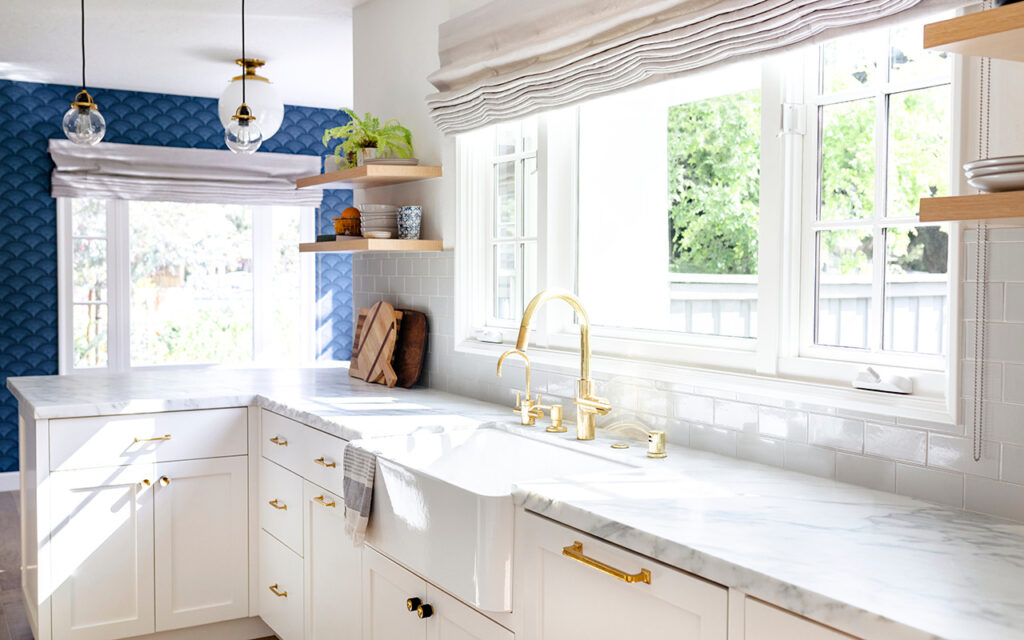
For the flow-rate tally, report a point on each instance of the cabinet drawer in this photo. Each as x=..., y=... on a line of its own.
x=281, y=504
x=765, y=622
x=314, y=455
x=280, y=588
x=82, y=443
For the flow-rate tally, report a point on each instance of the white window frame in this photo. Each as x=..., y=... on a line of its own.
x=776, y=363
x=119, y=289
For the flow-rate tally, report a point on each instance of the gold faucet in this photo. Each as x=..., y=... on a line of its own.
x=527, y=409
x=588, y=405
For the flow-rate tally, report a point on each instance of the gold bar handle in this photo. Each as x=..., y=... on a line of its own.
x=276, y=592
x=575, y=551
x=322, y=461
x=279, y=441
x=321, y=500
x=163, y=437
x=277, y=505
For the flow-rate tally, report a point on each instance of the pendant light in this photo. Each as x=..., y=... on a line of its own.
x=83, y=123
x=243, y=134
x=262, y=98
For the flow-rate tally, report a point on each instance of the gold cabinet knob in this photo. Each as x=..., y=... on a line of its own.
x=147, y=482
x=413, y=603
x=424, y=611
x=164, y=481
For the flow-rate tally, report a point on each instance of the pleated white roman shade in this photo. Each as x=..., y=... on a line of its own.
x=506, y=60
x=138, y=172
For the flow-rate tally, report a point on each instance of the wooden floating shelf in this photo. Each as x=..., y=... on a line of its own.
x=1003, y=209
x=996, y=33
x=371, y=244
x=369, y=176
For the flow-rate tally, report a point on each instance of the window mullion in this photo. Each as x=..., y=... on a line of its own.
x=262, y=225
x=118, y=286
x=65, y=282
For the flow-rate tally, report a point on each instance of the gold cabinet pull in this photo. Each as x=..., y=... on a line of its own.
x=164, y=481
x=321, y=500
x=279, y=441
x=163, y=437
x=147, y=482
x=278, y=593
x=322, y=461
x=575, y=551
x=277, y=505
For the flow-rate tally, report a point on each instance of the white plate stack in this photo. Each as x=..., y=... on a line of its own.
x=996, y=174
x=378, y=219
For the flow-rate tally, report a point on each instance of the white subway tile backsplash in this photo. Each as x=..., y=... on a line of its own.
x=736, y=415
x=956, y=454
x=873, y=473
x=1013, y=382
x=943, y=487
x=713, y=439
x=996, y=299
x=1012, y=464
x=805, y=458
x=841, y=433
x=788, y=424
x=994, y=498
x=896, y=442
x=652, y=401
x=755, y=448
x=1014, y=302
x=693, y=407
x=678, y=432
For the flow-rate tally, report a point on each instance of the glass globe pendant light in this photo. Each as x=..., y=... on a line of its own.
x=262, y=98
x=83, y=123
x=243, y=134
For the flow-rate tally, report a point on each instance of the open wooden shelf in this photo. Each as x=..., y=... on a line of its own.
x=370, y=244
x=996, y=33
x=1005, y=208
x=369, y=176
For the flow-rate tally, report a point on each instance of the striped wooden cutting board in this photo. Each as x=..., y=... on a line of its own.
x=372, y=359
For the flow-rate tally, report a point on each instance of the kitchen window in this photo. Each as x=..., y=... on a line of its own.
x=163, y=283
x=759, y=218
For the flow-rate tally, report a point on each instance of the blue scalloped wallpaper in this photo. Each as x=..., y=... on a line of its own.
x=28, y=216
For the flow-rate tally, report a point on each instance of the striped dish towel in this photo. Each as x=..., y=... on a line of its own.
x=359, y=466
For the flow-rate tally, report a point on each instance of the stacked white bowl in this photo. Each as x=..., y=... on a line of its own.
x=378, y=219
x=996, y=174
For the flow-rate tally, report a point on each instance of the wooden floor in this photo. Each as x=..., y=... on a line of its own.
x=13, y=622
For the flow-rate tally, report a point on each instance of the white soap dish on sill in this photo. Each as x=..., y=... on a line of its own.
x=870, y=380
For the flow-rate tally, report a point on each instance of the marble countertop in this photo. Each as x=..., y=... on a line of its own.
x=325, y=398
x=873, y=564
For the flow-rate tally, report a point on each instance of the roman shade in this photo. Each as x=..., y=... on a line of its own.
x=506, y=60
x=137, y=172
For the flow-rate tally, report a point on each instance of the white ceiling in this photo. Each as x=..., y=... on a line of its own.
x=184, y=47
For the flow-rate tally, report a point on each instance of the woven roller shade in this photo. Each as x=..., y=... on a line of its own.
x=138, y=172
x=507, y=60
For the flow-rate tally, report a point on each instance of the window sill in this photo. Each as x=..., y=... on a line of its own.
x=934, y=409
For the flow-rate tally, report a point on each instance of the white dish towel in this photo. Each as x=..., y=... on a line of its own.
x=359, y=466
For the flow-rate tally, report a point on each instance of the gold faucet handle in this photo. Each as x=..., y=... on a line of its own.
x=591, y=404
x=555, y=411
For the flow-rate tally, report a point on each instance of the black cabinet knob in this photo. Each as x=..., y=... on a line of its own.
x=424, y=611
x=413, y=603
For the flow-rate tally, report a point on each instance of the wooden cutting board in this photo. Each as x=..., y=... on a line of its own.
x=372, y=359
x=410, y=348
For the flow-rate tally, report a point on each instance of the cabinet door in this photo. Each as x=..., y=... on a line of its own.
x=332, y=563
x=455, y=620
x=561, y=597
x=765, y=622
x=202, y=551
x=386, y=588
x=102, y=540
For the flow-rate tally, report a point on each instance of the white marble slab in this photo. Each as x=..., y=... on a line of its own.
x=325, y=398
x=870, y=563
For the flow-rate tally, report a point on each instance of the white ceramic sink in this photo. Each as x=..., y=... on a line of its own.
x=442, y=504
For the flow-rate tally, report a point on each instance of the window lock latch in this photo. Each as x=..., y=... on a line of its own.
x=794, y=119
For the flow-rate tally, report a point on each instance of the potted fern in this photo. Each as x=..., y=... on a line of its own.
x=368, y=138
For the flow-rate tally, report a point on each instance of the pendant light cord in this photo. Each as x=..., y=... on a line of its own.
x=83, y=45
x=244, y=70
x=981, y=259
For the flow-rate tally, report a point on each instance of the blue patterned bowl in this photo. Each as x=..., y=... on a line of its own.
x=409, y=219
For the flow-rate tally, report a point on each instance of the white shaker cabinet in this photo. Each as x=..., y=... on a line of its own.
x=765, y=622
x=332, y=567
x=569, y=590
x=102, y=552
x=201, y=517
x=399, y=604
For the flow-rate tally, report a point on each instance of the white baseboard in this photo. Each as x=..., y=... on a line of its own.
x=9, y=481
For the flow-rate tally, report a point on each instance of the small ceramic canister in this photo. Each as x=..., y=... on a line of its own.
x=409, y=219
